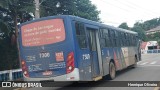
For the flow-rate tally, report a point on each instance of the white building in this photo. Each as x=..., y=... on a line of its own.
x=149, y=45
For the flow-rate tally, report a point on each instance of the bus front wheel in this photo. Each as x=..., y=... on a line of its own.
x=112, y=71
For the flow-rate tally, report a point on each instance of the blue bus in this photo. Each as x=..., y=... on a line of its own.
x=70, y=48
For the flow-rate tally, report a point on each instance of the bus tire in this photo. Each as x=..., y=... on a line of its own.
x=135, y=64
x=112, y=71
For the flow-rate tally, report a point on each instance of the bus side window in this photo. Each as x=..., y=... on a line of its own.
x=104, y=38
x=118, y=39
x=81, y=35
x=133, y=42
x=107, y=44
x=109, y=38
x=121, y=38
x=125, y=39
x=103, y=41
x=137, y=39
x=112, y=37
x=129, y=39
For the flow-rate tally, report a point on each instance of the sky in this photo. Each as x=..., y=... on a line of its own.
x=115, y=12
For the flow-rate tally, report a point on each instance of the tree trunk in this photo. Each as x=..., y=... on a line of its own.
x=16, y=31
x=37, y=12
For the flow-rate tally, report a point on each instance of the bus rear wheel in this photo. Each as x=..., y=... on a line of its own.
x=112, y=71
x=135, y=64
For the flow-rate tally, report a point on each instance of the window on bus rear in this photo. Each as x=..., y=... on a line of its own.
x=43, y=32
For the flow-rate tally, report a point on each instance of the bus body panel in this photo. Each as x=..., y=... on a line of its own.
x=107, y=55
x=83, y=63
x=54, y=64
x=89, y=62
x=117, y=58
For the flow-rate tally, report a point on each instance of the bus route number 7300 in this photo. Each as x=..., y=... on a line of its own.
x=44, y=55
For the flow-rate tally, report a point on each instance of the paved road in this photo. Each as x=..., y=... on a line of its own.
x=147, y=70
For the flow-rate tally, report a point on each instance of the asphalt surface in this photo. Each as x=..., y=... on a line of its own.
x=147, y=70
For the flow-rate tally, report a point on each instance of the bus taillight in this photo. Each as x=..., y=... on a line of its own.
x=70, y=62
x=24, y=68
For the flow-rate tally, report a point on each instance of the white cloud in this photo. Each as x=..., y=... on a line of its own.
x=114, y=12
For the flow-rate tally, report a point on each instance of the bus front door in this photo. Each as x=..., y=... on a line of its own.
x=95, y=56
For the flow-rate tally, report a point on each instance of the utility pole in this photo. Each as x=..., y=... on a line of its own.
x=37, y=10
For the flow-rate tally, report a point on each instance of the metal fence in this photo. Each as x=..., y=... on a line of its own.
x=10, y=75
x=150, y=51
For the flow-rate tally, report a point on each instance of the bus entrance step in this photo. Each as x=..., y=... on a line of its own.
x=97, y=78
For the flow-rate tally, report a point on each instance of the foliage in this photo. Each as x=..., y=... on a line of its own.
x=13, y=12
x=81, y=8
x=149, y=24
x=141, y=27
x=8, y=52
x=124, y=26
x=141, y=33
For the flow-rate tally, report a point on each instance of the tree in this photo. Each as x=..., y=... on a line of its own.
x=140, y=27
x=81, y=8
x=87, y=10
x=11, y=14
x=140, y=32
x=151, y=24
x=124, y=26
x=8, y=52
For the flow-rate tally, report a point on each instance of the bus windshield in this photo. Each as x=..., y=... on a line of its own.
x=43, y=32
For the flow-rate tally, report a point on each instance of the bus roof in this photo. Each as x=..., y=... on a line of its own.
x=99, y=24
x=76, y=18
